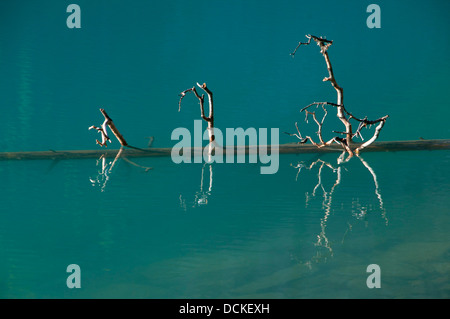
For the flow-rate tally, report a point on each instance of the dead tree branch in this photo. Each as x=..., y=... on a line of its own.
x=108, y=122
x=299, y=135
x=209, y=119
x=105, y=138
x=375, y=134
x=102, y=130
x=343, y=115
x=113, y=128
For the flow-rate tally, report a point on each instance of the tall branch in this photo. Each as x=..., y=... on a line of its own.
x=209, y=119
x=343, y=115
x=340, y=91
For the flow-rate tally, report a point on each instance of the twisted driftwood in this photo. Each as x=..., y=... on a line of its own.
x=343, y=115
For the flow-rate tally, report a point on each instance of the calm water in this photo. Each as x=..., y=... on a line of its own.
x=221, y=230
x=166, y=234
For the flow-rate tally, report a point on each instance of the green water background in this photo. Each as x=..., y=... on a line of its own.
x=134, y=58
x=146, y=234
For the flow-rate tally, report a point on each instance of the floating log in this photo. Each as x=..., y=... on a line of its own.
x=292, y=148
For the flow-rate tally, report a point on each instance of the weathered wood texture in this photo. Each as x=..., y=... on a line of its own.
x=378, y=146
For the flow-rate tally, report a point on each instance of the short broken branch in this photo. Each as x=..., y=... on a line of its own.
x=108, y=122
x=114, y=129
x=102, y=130
x=323, y=40
x=299, y=135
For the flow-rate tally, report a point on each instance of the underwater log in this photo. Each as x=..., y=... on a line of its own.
x=291, y=148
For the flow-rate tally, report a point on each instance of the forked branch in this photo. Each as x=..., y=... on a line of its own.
x=201, y=98
x=108, y=122
x=343, y=115
x=102, y=131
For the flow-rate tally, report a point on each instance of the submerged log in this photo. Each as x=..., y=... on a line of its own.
x=293, y=148
x=378, y=146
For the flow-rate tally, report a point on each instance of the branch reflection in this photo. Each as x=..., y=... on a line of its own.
x=103, y=175
x=377, y=190
x=323, y=245
x=201, y=196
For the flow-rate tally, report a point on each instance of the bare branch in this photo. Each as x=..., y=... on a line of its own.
x=317, y=104
x=375, y=135
x=324, y=45
x=319, y=124
x=343, y=115
x=182, y=95
x=102, y=130
x=209, y=119
x=301, y=43
x=299, y=135
x=309, y=37
x=113, y=128
x=109, y=123
x=361, y=125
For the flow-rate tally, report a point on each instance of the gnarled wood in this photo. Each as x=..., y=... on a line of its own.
x=343, y=115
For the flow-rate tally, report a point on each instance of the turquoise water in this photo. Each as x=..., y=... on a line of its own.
x=168, y=232
x=240, y=234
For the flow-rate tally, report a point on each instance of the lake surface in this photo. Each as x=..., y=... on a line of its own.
x=165, y=233
x=221, y=230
